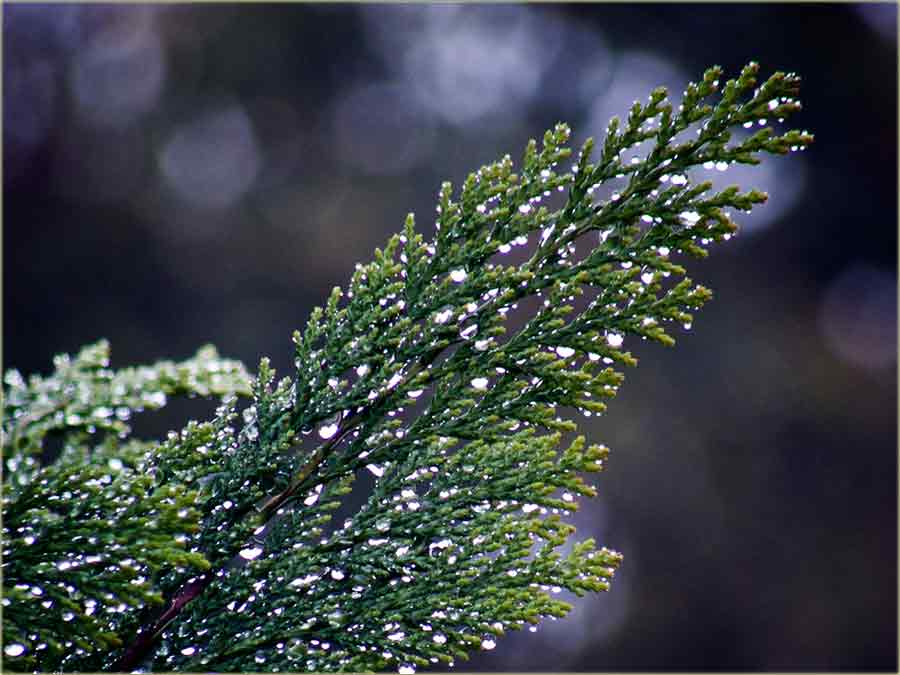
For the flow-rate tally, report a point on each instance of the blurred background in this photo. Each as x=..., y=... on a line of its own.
x=175, y=175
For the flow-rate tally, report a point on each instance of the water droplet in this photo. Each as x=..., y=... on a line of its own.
x=383, y=525
x=504, y=248
x=251, y=553
x=439, y=638
x=721, y=166
x=337, y=575
x=546, y=233
x=438, y=546
x=488, y=644
x=647, y=277
x=688, y=325
x=567, y=497
x=328, y=430
x=525, y=208
x=304, y=581
x=443, y=316
x=458, y=276
x=468, y=332
x=396, y=637
x=689, y=217
x=403, y=550
x=614, y=339
x=482, y=345
x=14, y=649
x=663, y=251
x=362, y=370
x=679, y=179
x=314, y=497
x=565, y=352
x=480, y=383
x=406, y=669
x=156, y=398
x=188, y=651
x=376, y=470
x=415, y=393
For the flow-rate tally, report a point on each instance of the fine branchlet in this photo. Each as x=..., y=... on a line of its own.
x=441, y=388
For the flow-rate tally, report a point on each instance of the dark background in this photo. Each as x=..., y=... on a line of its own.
x=175, y=175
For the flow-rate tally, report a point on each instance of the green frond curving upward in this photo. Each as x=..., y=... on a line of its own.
x=441, y=382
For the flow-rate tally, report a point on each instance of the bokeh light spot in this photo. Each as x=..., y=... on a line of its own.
x=213, y=160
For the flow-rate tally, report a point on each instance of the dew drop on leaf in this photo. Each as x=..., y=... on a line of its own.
x=480, y=383
x=251, y=553
x=458, y=276
x=444, y=315
x=328, y=430
x=314, y=496
x=466, y=333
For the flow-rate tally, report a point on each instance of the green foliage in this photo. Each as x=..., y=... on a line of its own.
x=84, y=534
x=444, y=372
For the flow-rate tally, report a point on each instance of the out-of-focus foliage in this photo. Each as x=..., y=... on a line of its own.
x=85, y=531
x=411, y=375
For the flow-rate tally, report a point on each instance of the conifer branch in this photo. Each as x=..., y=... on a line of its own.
x=450, y=375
